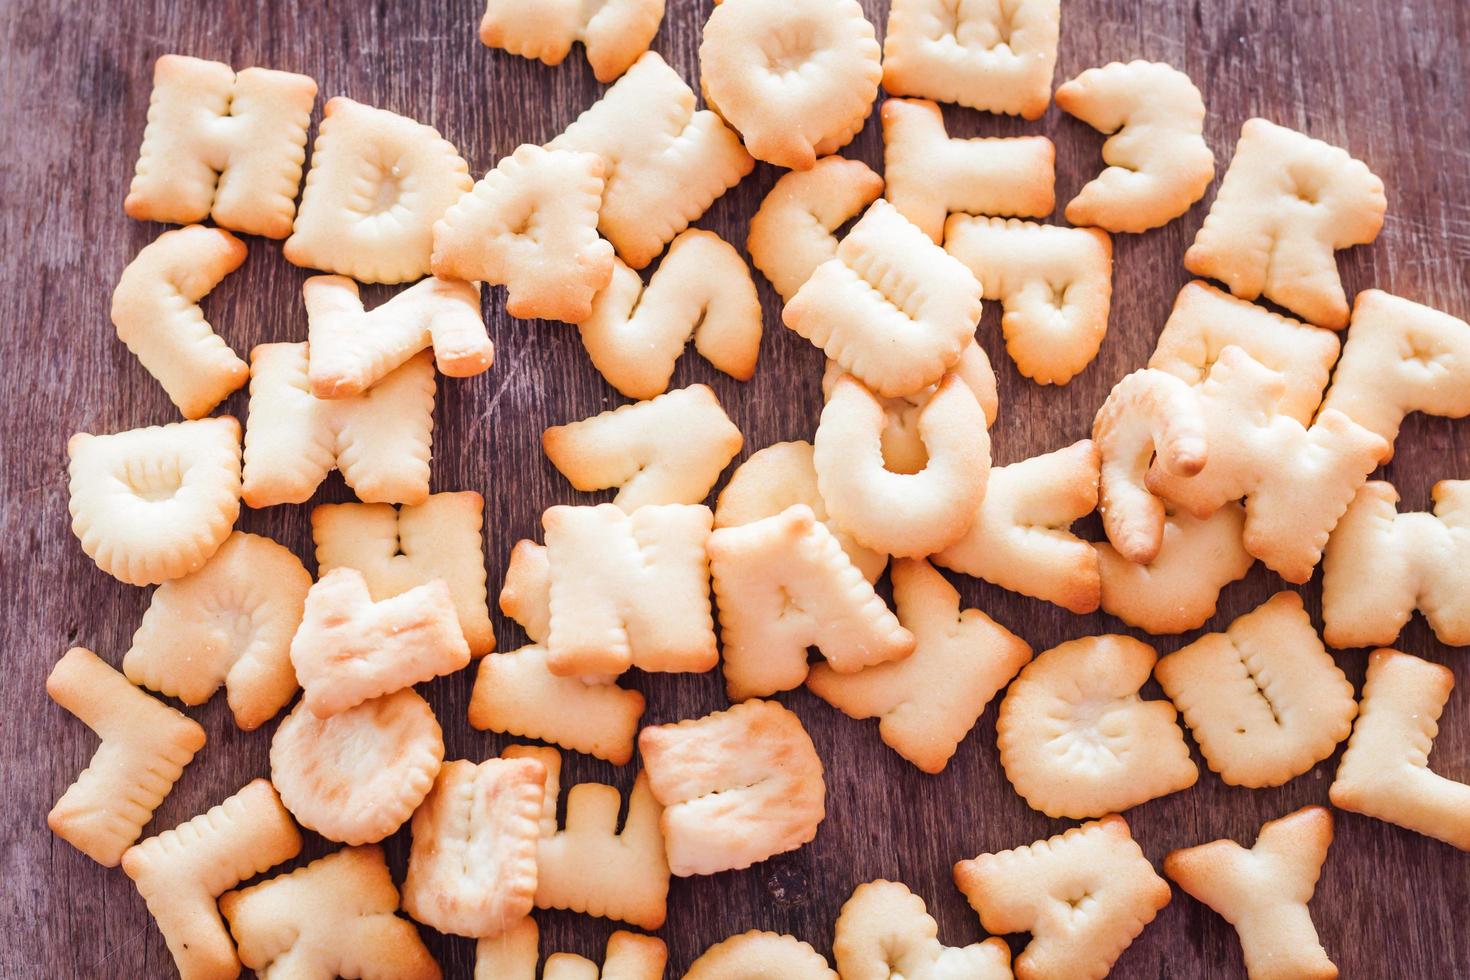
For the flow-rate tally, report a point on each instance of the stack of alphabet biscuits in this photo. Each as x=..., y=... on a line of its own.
x=1249, y=436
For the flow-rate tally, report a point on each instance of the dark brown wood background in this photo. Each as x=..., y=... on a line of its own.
x=1384, y=79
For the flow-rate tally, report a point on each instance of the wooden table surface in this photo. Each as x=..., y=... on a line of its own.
x=1385, y=80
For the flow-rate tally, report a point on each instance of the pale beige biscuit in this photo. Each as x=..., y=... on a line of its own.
x=397, y=549
x=1077, y=741
x=1385, y=771
x=222, y=145
x=589, y=865
x=613, y=34
x=1055, y=285
x=891, y=307
x=929, y=175
x=1297, y=481
x=797, y=78
x=351, y=349
x=378, y=182
x=783, y=585
x=758, y=955
x=357, y=776
x=1179, y=589
x=775, y=478
x=512, y=956
x=145, y=747
x=1084, y=895
x=1158, y=161
x=1379, y=566
x=525, y=595
x=737, y=786
x=1400, y=357
x=629, y=590
x=1021, y=539
x=334, y=917
x=153, y=504
x=670, y=450
x=349, y=648
x=992, y=55
x=927, y=703
x=517, y=693
x=155, y=309
x=1263, y=892
x=1264, y=699
x=181, y=872
x=230, y=623
x=1148, y=416
x=701, y=290
x=791, y=233
x=1206, y=320
x=885, y=931
x=472, y=865
x=908, y=515
x=530, y=224
x=1287, y=203
x=380, y=440
x=667, y=162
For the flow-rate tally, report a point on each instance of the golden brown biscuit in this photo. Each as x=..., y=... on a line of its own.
x=884, y=931
x=758, y=955
x=613, y=34
x=512, y=956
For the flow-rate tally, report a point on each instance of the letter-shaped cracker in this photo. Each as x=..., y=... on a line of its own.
x=145, y=747
x=737, y=786
x=357, y=776
x=380, y=440
x=223, y=146
x=757, y=954
x=589, y=866
x=531, y=225
x=1020, y=539
x=349, y=648
x=1263, y=892
x=1381, y=565
x=783, y=585
x=1149, y=415
x=1178, y=590
x=902, y=514
x=613, y=34
x=791, y=232
x=1158, y=161
x=1297, y=481
x=667, y=162
x=1084, y=895
x=517, y=693
x=332, y=918
x=702, y=289
x=1400, y=357
x=1077, y=741
x=155, y=309
x=472, y=866
x=378, y=182
x=884, y=930
x=995, y=57
x=1385, y=771
x=1055, y=284
x=181, y=872
x=927, y=703
x=525, y=595
x=1205, y=320
x=1287, y=203
x=153, y=504
x=230, y=623
x=1264, y=699
x=629, y=590
x=930, y=175
x=512, y=955
x=669, y=450
x=397, y=549
x=891, y=307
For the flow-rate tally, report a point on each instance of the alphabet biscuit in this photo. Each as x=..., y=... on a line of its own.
x=613, y=34
x=885, y=931
x=758, y=955
x=512, y=956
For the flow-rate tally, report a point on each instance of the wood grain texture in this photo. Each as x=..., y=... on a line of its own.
x=1386, y=80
